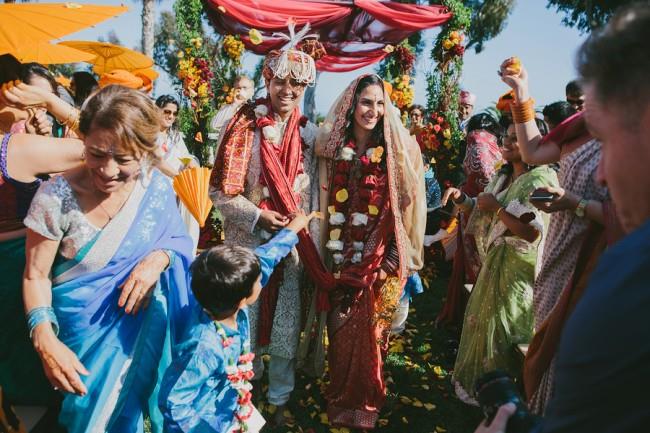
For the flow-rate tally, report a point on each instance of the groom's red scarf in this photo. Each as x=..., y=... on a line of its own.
x=280, y=166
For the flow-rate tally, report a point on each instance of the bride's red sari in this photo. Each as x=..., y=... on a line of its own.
x=372, y=252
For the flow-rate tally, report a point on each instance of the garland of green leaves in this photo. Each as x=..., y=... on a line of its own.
x=444, y=139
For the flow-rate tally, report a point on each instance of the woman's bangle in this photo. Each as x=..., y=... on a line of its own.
x=499, y=210
x=523, y=112
x=38, y=315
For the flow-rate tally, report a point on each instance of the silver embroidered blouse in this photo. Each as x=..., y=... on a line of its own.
x=55, y=214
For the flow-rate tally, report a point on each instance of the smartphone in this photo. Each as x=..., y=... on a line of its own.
x=542, y=196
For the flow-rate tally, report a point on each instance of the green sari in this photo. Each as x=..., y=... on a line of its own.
x=499, y=312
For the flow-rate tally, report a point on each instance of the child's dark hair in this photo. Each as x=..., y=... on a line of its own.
x=222, y=276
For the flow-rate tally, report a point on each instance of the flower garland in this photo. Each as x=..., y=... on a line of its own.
x=349, y=246
x=396, y=69
x=272, y=132
x=240, y=374
x=436, y=141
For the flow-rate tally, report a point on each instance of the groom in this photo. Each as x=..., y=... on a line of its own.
x=264, y=170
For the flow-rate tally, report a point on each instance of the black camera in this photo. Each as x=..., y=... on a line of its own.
x=497, y=388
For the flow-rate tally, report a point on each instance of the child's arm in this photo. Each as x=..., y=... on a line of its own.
x=276, y=249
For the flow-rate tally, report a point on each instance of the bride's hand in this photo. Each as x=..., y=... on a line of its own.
x=61, y=365
x=136, y=290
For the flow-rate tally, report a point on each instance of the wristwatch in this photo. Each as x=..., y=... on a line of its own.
x=580, y=209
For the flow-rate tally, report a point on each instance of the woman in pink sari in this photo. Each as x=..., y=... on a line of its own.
x=376, y=216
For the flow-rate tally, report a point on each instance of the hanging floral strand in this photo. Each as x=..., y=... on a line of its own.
x=443, y=139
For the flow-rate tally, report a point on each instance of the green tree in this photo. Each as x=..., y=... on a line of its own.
x=166, y=46
x=489, y=18
x=587, y=15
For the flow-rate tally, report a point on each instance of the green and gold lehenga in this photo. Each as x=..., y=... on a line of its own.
x=499, y=312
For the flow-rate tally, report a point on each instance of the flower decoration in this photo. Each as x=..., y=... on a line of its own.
x=354, y=216
x=233, y=47
x=271, y=133
x=255, y=36
x=403, y=92
x=377, y=153
x=239, y=374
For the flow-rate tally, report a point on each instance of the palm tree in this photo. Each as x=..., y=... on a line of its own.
x=148, y=21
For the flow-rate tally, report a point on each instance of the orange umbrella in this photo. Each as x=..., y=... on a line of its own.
x=109, y=56
x=50, y=54
x=33, y=22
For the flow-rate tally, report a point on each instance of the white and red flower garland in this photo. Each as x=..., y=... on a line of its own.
x=239, y=375
x=349, y=246
x=272, y=133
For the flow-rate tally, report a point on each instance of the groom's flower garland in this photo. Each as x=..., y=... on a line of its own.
x=239, y=375
x=367, y=207
x=272, y=133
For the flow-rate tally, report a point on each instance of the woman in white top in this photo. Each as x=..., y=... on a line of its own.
x=174, y=155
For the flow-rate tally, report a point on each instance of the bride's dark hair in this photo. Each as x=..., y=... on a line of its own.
x=378, y=131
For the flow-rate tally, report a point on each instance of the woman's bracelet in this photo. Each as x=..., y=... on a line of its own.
x=500, y=209
x=38, y=315
x=523, y=112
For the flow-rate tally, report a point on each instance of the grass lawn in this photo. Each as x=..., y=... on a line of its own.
x=420, y=395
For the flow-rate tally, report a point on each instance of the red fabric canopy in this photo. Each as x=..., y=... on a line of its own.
x=354, y=33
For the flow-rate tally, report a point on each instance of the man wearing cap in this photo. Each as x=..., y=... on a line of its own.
x=466, y=104
x=264, y=171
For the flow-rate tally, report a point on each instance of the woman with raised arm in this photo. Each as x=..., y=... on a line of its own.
x=376, y=210
x=582, y=223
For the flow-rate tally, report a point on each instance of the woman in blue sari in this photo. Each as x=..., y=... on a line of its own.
x=107, y=261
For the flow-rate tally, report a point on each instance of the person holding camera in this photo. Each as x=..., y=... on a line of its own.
x=603, y=360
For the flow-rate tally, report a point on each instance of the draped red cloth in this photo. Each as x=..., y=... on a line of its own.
x=354, y=33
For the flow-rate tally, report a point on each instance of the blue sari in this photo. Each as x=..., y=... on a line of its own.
x=125, y=354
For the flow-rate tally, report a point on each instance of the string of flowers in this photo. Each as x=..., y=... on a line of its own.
x=442, y=96
x=239, y=374
x=207, y=68
x=350, y=223
x=397, y=69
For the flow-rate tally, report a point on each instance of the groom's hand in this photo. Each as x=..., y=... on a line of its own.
x=272, y=221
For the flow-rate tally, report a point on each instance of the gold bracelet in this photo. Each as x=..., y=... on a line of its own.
x=523, y=112
x=499, y=210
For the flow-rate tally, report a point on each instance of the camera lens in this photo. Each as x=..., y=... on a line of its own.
x=497, y=388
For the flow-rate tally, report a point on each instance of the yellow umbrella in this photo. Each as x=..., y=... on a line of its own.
x=49, y=54
x=110, y=57
x=32, y=22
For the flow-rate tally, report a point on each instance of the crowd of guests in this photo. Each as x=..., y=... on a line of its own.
x=110, y=317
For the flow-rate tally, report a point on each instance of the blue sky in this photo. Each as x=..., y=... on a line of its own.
x=533, y=33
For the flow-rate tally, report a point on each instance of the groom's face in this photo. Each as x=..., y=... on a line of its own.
x=285, y=95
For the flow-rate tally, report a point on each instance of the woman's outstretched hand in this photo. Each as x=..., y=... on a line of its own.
x=61, y=365
x=138, y=287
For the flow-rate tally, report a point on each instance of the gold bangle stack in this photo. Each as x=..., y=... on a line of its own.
x=72, y=120
x=524, y=111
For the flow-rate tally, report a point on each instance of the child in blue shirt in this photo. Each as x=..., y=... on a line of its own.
x=207, y=386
